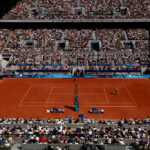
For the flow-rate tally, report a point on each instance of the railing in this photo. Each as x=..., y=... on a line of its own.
x=127, y=65
x=77, y=146
x=76, y=20
x=31, y=71
x=85, y=76
x=127, y=71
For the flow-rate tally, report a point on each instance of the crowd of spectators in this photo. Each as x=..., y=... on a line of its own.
x=21, y=11
x=4, y=34
x=79, y=9
x=138, y=8
x=83, y=135
x=39, y=131
x=105, y=9
x=62, y=49
x=59, y=121
x=137, y=34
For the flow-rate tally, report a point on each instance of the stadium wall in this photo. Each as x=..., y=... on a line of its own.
x=85, y=76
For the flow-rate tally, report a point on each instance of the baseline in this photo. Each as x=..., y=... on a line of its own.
x=85, y=106
x=130, y=98
x=105, y=94
x=133, y=100
x=50, y=92
x=27, y=91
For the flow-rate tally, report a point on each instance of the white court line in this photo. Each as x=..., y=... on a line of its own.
x=102, y=102
x=33, y=102
x=41, y=85
x=36, y=106
x=122, y=103
x=64, y=102
x=36, y=99
x=108, y=106
x=46, y=102
x=114, y=86
x=90, y=84
x=62, y=94
x=49, y=103
x=103, y=85
x=27, y=91
x=81, y=106
x=52, y=85
x=52, y=88
x=125, y=87
x=106, y=103
x=92, y=94
x=134, y=102
x=45, y=85
x=105, y=95
x=98, y=86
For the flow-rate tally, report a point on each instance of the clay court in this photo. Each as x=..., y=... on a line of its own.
x=30, y=98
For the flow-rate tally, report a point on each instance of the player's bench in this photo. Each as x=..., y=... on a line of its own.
x=96, y=111
x=55, y=111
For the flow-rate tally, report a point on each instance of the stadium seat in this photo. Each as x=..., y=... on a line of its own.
x=47, y=111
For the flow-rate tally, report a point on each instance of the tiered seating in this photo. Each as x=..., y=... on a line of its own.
x=62, y=49
x=105, y=9
x=79, y=9
x=138, y=9
x=21, y=11
x=74, y=132
x=4, y=34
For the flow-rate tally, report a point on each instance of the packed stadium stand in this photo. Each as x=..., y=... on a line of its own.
x=81, y=41
x=74, y=134
x=79, y=9
x=63, y=49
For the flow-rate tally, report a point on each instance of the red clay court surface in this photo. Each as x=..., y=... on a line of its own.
x=32, y=97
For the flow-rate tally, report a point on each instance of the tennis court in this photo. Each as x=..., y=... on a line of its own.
x=32, y=97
